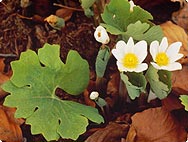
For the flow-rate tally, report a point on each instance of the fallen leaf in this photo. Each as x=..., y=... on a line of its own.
x=172, y=102
x=64, y=13
x=155, y=125
x=87, y=92
x=113, y=89
x=10, y=130
x=113, y=132
x=179, y=81
x=3, y=77
x=181, y=17
x=175, y=33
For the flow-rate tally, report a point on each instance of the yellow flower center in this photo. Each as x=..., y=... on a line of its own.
x=162, y=59
x=99, y=34
x=130, y=60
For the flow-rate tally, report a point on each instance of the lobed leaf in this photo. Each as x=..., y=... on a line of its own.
x=32, y=91
x=117, y=14
x=101, y=61
x=135, y=83
x=143, y=31
x=184, y=101
x=160, y=81
x=86, y=4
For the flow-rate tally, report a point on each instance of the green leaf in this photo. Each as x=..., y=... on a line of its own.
x=32, y=91
x=101, y=102
x=86, y=4
x=142, y=31
x=160, y=81
x=112, y=30
x=184, y=101
x=101, y=61
x=135, y=83
x=117, y=14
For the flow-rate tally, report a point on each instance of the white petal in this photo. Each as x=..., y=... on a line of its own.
x=118, y=54
x=174, y=66
x=163, y=45
x=100, y=28
x=131, y=5
x=175, y=57
x=130, y=45
x=130, y=69
x=141, y=67
x=105, y=38
x=155, y=65
x=154, y=49
x=140, y=49
x=173, y=48
x=121, y=67
x=121, y=45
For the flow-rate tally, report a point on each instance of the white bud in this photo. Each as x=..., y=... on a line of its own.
x=94, y=95
x=131, y=5
x=101, y=35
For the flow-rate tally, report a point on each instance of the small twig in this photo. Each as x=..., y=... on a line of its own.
x=24, y=17
x=71, y=8
x=7, y=55
x=5, y=5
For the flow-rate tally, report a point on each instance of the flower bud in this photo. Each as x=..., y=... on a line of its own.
x=94, y=95
x=101, y=35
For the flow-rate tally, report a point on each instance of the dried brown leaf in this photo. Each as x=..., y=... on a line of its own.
x=10, y=130
x=111, y=133
x=175, y=33
x=64, y=13
x=180, y=81
x=181, y=17
x=155, y=125
x=172, y=102
x=90, y=88
x=3, y=77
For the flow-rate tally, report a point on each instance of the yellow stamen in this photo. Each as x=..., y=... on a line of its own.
x=162, y=59
x=99, y=34
x=130, y=60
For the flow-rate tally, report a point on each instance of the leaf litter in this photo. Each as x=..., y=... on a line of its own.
x=36, y=35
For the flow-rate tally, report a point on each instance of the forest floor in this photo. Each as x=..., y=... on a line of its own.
x=25, y=28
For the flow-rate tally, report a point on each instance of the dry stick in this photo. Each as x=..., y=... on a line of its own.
x=24, y=17
x=5, y=5
x=7, y=55
x=71, y=8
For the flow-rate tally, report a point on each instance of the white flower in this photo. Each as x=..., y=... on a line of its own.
x=101, y=35
x=129, y=56
x=164, y=56
x=94, y=95
x=131, y=5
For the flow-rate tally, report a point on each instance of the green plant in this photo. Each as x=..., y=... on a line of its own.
x=32, y=91
x=135, y=31
x=184, y=101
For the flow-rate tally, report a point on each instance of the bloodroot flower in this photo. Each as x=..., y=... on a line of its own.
x=164, y=56
x=130, y=56
x=101, y=35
